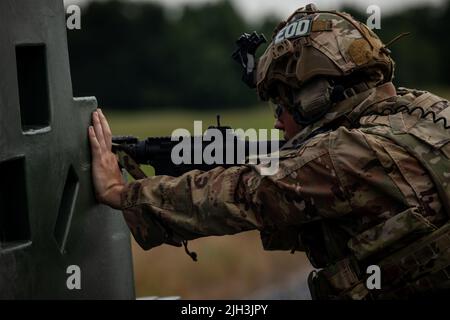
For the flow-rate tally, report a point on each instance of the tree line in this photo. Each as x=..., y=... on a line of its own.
x=138, y=55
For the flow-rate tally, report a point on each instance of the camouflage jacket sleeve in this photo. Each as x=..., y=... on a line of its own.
x=164, y=209
x=354, y=178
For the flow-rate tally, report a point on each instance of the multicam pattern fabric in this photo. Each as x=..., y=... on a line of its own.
x=337, y=46
x=388, y=232
x=353, y=179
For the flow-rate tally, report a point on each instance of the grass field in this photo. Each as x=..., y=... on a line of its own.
x=230, y=267
x=154, y=123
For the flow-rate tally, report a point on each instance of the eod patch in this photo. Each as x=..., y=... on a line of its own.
x=298, y=28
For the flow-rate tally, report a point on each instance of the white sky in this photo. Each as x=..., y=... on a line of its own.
x=255, y=9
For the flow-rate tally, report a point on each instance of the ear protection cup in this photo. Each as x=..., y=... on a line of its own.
x=311, y=102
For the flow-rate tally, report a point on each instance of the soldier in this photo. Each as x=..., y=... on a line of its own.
x=363, y=180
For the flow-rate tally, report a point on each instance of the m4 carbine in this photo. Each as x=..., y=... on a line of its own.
x=157, y=152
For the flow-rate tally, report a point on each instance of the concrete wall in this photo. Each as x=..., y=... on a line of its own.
x=49, y=219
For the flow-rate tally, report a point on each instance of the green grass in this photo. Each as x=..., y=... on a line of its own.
x=161, y=123
x=440, y=91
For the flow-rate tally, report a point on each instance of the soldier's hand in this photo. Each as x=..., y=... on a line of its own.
x=106, y=175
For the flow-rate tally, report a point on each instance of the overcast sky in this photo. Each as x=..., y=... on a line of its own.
x=254, y=9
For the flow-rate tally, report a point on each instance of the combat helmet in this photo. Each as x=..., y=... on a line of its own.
x=317, y=58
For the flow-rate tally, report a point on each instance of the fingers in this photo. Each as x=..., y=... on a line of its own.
x=99, y=130
x=106, y=129
x=102, y=129
x=95, y=146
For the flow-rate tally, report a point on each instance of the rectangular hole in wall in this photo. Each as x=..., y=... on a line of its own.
x=14, y=222
x=66, y=208
x=33, y=86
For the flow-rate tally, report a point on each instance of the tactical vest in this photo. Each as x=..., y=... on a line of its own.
x=421, y=267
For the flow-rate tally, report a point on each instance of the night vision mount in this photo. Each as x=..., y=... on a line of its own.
x=245, y=55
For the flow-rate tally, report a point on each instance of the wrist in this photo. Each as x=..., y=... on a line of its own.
x=112, y=196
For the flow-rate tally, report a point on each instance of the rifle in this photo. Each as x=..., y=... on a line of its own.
x=157, y=152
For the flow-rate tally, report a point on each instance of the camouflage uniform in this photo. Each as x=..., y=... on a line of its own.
x=347, y=192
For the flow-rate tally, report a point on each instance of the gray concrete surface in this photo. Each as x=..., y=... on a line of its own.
x=49, y=219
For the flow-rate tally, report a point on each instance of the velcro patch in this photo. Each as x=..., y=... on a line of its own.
x=321, y=25
x=297, y=28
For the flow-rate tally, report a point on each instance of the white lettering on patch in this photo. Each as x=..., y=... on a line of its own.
x=298, y=28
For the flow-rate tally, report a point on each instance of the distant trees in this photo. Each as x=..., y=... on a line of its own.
x=422, y=57
x=135, y=55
